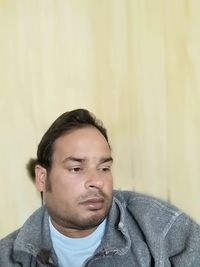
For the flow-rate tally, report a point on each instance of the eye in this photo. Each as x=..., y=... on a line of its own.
x=75, y=169
x=105, y=168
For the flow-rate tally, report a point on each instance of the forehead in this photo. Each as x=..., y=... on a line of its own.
x=83, y=139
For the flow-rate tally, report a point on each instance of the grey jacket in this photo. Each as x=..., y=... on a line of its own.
x=141, y=231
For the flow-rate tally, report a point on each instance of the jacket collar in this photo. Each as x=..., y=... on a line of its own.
x=116, y=239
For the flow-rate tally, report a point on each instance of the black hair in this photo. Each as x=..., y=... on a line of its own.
x=67, y=122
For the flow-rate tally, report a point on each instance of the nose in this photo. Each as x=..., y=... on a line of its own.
x=94, y=180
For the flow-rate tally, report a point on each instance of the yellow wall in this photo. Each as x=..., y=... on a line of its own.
x=135, y=64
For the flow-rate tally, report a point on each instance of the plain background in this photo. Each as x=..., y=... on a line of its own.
x=135, y=64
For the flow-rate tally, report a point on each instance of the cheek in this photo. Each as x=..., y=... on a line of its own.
x=67, y=186
x=108, y=183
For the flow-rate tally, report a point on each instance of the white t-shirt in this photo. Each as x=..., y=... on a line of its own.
x=72, y=252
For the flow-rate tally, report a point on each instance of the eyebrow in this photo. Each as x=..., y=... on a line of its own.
x=83, y=160
x=106, y=159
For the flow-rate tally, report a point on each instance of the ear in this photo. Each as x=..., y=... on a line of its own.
x=40, y=177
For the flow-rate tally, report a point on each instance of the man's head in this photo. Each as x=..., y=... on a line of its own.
x=73, y=171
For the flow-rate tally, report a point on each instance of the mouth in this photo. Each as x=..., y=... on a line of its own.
x=93, y=204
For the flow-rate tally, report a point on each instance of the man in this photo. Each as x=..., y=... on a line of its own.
x=83, y=221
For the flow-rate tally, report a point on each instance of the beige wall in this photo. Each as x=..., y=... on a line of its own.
x=135, y=64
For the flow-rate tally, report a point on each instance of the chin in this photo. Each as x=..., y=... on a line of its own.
x=94, y=220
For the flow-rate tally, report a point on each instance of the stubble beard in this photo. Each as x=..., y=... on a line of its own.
x=78, y=222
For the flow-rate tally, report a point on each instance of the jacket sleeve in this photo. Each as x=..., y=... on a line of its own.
x=183, y=242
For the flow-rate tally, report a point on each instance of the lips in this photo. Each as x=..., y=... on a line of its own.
x=93, y=203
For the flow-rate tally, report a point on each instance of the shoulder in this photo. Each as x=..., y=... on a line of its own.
x=9, y=239
x=34, y=220
x=152, y=214
x=6, y=247
x=135, y=201
x=163, y=224
x=18, y=239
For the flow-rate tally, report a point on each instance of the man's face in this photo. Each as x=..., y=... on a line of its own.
x=78, y=187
